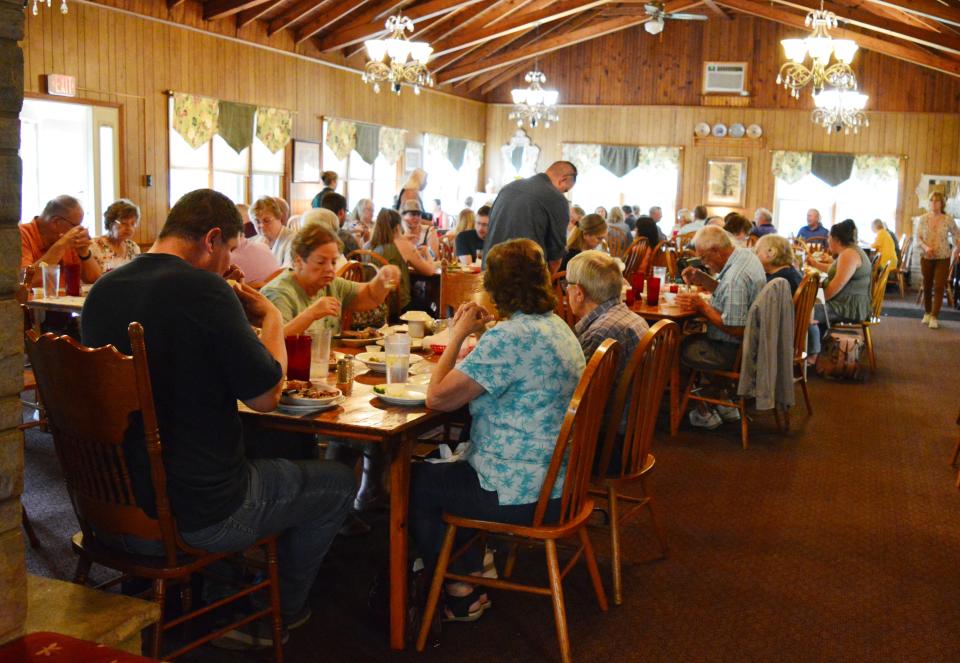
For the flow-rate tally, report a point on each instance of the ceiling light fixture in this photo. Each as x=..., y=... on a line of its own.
x=794, y=75
x=38, y=3
x=838, y=109
x=654, y=26
x=533, y=104
x=397, y=60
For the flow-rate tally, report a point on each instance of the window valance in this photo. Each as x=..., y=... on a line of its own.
x=197, y=119
x=369, y=140
x=459, y=152
x=620, y=159
x=834, y=169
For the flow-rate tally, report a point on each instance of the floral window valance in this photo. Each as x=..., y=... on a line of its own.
x=620, y=159
x=791, y=167
x=197, y=120
x=877, y=167
x=459, y=152
x=369, y=140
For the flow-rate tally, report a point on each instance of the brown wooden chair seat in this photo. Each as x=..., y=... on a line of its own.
x=617, y=242
x=642, y=385
x=636, y=257
x=803, y=301
x=90, y=396
x=576, y=445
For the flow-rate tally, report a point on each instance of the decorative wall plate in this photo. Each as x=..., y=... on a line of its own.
x=719, y=130
x=737, y=130
x=754, y=131
x=702, y=130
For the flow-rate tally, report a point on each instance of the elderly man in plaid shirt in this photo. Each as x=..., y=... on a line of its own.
x=740, y=278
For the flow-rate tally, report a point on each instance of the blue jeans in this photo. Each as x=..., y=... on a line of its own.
x=304, y=501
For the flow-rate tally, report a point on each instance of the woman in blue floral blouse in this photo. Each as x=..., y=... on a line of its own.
x=518, y=382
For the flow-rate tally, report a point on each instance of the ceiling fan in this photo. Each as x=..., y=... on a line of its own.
x=657, y=14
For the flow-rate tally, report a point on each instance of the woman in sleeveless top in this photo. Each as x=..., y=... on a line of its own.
x=931, y=237
x=388, y=240
x=847, y=288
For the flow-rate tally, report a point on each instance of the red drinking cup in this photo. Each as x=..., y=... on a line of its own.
x=653, y=291
x=298, y=357
x=674, y=288
x=71, y=279
x=631, y=297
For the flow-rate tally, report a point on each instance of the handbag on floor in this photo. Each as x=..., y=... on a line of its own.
x=841, y=354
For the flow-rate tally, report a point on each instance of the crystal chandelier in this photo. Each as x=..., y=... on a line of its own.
x=532, y=103
x=794, y=75
x=38, y=3
x=397, y=60
x=839, y=108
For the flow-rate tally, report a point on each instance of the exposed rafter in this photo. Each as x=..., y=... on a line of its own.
x=338, y=12
x=214, y=10
x=295, y=12
x=717, y=10
x=880, y=45
x=929, y=8
x=248, y=16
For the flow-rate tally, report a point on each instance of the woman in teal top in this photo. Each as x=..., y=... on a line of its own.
x=518, y=382
x=389, y=241
x=847, y=288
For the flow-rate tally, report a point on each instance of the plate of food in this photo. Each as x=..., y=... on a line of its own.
x=302, y=392
x=357, y=338
x=402, y=394
x=298, y=410
x=377, y=361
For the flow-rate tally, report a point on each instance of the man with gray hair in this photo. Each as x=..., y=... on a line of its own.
x=740, y=278
x=814, y=229
x=763, y=222
x=57, y=237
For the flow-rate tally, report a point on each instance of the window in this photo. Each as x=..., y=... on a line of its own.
x=358, y=179
x=857, y=198
x=449, y=185
x=645, y=188
x=243, y=177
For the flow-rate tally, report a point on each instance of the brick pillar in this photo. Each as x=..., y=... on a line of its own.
x=13, y=577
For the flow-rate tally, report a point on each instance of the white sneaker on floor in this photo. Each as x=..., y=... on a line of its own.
x=926, y=319
x=728, y=413
x=710, y=420
x=934, y=323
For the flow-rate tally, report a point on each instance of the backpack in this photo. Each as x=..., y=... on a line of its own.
x=840, y=356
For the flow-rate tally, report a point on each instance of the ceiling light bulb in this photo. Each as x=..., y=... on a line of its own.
x=654, y=26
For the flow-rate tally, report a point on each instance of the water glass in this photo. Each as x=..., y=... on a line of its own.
x=397, y=358
x=298, y=357
x=653, y=291
x=51, y=280
x=71, y=279
x=660, y=273
x=320, y=350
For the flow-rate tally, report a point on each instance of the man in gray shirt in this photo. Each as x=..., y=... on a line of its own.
x=535, y=208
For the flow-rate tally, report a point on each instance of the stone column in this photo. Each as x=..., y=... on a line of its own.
x=13, y=577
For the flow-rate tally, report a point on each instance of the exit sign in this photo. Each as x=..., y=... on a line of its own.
x=61, y=86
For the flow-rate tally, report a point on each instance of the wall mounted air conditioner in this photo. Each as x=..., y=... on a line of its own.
x=725, y=78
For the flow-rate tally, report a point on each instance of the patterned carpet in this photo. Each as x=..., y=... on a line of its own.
x=838, y=541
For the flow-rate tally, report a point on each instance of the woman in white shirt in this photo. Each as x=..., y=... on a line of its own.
x=268, y=217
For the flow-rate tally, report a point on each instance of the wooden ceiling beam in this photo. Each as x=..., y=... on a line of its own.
x=520, y=22
x=339, y=12
x=365, y=27
x=248, y=16
x=496, y=10
x=174, y=3
x=214, y=10
x=929, y=8
x=543, y=46
x=296, y=12
x=717, y=10
x=879, y=45
x=869, y=21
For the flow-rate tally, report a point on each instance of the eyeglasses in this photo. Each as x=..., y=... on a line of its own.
x=412, y=214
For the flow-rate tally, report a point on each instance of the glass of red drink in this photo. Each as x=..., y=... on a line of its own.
x=653, y=291
x=298, y=357
x=71, y=280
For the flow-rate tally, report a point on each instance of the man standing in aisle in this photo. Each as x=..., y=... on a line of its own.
x=536, y=209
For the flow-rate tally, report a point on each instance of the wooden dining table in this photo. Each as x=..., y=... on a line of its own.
x=664, y=310
x=363, y=417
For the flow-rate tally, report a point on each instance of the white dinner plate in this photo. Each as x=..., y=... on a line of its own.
x=292, y=399
x=702, y=130
x=357, y=342
x=754, y=131
x=415, y=395
x=719, y=130
x=297, y=410
x=737, y=130
x=377, y=362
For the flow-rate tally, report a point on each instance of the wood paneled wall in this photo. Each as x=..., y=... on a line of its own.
x=130, y=61
x=631, y=67
x=928, y=143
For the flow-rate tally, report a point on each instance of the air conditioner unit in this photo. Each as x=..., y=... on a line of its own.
x=725, y=78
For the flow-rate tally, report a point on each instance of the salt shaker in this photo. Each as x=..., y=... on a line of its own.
x=345, y=376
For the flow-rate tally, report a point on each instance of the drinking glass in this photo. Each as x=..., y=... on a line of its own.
x=51, y=280
x=298, y=357
x=660, y=273
x=320, y=350
x=653, y=291
x=71, y=278
x=398, y=358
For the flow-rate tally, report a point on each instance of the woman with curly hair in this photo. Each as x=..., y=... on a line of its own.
x=518, y=382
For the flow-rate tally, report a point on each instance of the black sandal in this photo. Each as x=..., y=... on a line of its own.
x=457, y=608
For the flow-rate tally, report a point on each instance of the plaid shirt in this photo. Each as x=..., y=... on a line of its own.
x=741, y=280
x=612, y=319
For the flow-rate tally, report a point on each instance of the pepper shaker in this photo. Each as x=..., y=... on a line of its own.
x=345, y=376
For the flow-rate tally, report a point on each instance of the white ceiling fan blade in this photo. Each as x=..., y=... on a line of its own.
x=651, y=9
x=686, y=17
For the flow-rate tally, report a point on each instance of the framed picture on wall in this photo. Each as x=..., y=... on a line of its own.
x=412, y=159
x=726, y=181
x=306, y=161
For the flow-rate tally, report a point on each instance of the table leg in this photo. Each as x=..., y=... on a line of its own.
x=399, y=502
x=675, y=413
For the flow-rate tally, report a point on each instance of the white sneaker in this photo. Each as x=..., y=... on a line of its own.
x=926, y=319
x=934, y=323
x=728, y=413
x=710, y=420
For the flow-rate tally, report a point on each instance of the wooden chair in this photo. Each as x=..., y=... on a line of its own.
x=878, y=290
x=459, y=287
x=752, y=241
x=642, y=384
x=635, y=257
x=562, y=308
x=575, y=447
x=90, y=397
x=803, y=301
x=617, y=242
x=364, y=255
x=903, y=269
x=666, y=257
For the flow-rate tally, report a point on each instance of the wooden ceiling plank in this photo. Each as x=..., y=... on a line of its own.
x=492, y=12
x=174, y=3
x=361, y=29
x=869, y=21
x=929, y=8
x=214, y=10
x=248, y=16
x=295, y=13
x=526, y=20
x=869, y=42
x=555, y=43
x=339, y=12
x=717, y=10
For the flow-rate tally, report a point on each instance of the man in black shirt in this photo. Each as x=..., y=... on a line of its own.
x=204, y=356
x=337, y=204
x=469, y=242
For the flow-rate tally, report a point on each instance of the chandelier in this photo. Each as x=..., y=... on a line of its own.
x=38, y=3
x=532, y=103
x=397, y=60
x=838, y=108
x=794, y=75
